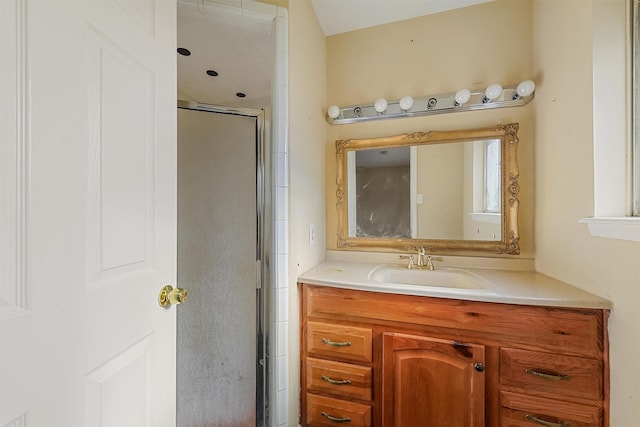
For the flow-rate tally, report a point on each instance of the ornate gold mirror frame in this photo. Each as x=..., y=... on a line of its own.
x=508, y=243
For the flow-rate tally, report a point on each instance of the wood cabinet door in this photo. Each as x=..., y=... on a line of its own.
x=431, y=382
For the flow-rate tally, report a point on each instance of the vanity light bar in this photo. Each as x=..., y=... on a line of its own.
x=511, y=96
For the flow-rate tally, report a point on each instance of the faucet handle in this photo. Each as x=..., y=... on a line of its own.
x=412, y=261
x=430, y=260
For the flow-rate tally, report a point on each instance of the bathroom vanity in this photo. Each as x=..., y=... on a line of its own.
x=489, y=348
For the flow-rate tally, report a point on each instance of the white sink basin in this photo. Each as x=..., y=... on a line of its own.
x=441, y=278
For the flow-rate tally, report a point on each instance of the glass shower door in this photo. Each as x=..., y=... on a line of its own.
x=217, y=259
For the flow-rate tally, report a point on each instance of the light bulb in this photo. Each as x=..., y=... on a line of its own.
x=333, y=111
x=462, y=97
x=380, y=105
x=525, y=88
x=492, y=92
x=406, y=102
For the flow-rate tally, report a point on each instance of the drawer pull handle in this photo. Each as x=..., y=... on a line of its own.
x=540, y=421
x=335, y=382
x=336, y=419
x=336, y=344
x=549, y=377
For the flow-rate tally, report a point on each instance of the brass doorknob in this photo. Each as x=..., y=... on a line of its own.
x=169, y=296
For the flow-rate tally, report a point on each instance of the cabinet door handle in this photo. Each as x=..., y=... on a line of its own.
x=546, y=423
x=336, y=344
x=550, y=377
x=336, y=419
x=335, y=382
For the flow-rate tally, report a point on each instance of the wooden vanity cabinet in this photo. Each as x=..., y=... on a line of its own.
x=375, y=359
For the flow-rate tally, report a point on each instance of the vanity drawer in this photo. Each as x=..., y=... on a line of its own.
x=345, y=342
x=566, y=376
x=576, y=331
x=528, y=411
x=340, y=379
x=325, y=411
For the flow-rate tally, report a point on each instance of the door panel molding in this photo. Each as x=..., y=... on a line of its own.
x=20, y=421
x=121, y=165
x=13, y=159
x=142, y=12
x=124, y=381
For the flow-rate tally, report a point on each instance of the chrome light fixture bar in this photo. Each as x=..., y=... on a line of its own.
x=510, y=96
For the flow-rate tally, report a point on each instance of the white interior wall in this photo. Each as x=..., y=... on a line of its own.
x=307, y=135
x=564, y=180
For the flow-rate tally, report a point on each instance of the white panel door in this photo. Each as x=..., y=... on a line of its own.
x=87, y=212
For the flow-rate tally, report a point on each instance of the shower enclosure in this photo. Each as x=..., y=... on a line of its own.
x=223, y=259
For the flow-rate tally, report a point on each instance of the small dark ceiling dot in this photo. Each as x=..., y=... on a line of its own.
x=212, y=73
x=241, y=95
x=184, y=52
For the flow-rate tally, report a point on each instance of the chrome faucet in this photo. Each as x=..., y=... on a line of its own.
x=422, y=261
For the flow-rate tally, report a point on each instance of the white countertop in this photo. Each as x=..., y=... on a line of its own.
x=502, y=286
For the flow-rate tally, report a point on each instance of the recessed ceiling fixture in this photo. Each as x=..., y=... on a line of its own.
x=212, y=73
x=241, y=95
x=184, y=52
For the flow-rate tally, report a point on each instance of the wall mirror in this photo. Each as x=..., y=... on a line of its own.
x=443, y=190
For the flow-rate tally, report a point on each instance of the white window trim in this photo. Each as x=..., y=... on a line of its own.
x=611, y=118
x=492, y=218
x=497, y=187
x=621, y=228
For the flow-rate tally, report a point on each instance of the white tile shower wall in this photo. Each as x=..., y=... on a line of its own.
x=281, y=272
x=282, y=243
x=282, y=198
x=283, y=373
x=282, y=343
x=282, y=161
x=279, y=393
x=282, y=408
x=281, y=141
x=283, y=304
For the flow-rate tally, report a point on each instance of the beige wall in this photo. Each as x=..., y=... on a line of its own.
x=547, y=40
x=307, y=136
x=441, y=181
x=471, y=47
x=564, y=189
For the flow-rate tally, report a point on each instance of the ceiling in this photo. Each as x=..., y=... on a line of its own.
x=235, y=39
x=341, y=16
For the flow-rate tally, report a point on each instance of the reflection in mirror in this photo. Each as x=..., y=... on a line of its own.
x=382, y=205
x=440, y=190
x=445, y=191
